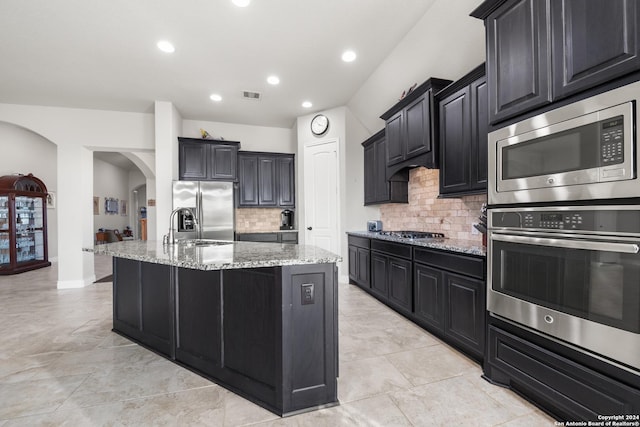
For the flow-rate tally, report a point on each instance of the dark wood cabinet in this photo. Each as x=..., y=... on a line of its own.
x=441, y=291
x=207, y=160
x=593, y=42
x=23, y=224
x=265, y=180
x=198, y=326
x=464, y=312
x=274, y=237
x=518, y=58
x=143, y=303
x=463, y=130
x=428, y=296
x=410, y=134
x=539, y=51
x=359, y=261
x=286, y=179
x=391, y=274
x=377, y=189
x=570, y=385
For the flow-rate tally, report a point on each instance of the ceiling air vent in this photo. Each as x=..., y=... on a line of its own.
x=254, y=96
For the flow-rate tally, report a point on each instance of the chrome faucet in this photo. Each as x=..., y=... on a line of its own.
x=171, y=238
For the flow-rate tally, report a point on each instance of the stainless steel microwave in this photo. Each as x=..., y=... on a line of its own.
x=582, y=151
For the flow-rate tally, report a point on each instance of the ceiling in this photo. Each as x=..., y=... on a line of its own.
x=103, y=54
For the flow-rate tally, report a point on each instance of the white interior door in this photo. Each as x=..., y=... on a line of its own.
x=321, y=195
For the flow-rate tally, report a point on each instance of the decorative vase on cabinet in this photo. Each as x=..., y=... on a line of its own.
x=23, y=224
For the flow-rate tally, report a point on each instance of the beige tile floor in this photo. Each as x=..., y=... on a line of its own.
x=60, y=365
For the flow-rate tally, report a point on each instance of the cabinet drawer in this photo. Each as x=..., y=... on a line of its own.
x=257, y=237
x=461, y=264
x=568, y=389
x=361, y=242
x=289, y=237
x=397, y=249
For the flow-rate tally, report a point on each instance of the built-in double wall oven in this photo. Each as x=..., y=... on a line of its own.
x=563, y=251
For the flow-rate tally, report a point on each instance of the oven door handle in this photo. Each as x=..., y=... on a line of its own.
x=628, y=248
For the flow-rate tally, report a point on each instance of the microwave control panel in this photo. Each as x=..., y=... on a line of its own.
x=618, y=221
x=611, y=141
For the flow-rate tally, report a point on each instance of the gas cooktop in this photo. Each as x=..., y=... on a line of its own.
x=413, y=234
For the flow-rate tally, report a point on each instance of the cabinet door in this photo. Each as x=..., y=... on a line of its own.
x=400, y=282
x=247, y=181
x=363, y=266
x=157, y=307
x=479, y=133
x=394, y=131
x=223, y=162
x=593, y=42
x=126, y=297
x=193, y=157
x=428, y=296
x=267, y=190
x=465, y=312
x=518, y=55
x=198, y=323
x=370, y=170
x=286, y=181
x=418, y=126
x=381, y=187
x=455, y=133
x=379, y=274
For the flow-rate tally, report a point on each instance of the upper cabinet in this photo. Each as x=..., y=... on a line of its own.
x=410, y=134
x=207, y=160
x=463, y=129
x=377, y=189
x=266, y=180
x=539, y=51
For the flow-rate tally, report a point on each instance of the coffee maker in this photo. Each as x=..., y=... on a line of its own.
x=286, y=220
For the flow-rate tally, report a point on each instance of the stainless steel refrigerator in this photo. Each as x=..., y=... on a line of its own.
x=212, y=204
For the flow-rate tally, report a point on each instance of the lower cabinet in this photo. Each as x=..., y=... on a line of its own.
x=441, y=291
x=569, y=384
x=275, y=237
x=391, y=275
x=359, y=262
x=142, y=299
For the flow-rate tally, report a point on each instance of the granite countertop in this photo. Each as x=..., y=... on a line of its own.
x=220, y=256
x=452, y=245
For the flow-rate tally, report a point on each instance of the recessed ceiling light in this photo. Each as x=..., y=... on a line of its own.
x=349, y=56
x=166, y=46
x=273, y=80
x=307, y=104
x=241, y=3
x=215, y=97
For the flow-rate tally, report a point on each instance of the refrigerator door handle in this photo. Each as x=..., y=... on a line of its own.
x=200, y=215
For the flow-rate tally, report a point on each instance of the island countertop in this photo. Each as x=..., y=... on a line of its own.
x=219, y=255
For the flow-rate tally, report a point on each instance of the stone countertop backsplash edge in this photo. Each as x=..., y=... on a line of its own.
x=451, y=245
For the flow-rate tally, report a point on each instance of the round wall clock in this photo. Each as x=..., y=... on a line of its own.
x=319, y=124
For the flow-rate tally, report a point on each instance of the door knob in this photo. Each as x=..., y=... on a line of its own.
x=309, y=228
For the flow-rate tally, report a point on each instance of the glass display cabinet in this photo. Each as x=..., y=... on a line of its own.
x=23, y=224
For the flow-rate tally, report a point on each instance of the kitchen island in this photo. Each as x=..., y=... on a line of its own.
x=259, y=319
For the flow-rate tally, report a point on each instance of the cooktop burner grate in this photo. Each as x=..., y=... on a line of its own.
x=413, y=234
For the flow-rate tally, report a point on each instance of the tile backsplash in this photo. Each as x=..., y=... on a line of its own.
x=425, y=212
x=255, y=220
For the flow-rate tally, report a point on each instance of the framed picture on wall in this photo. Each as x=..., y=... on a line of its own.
x=96, y=205
x=123, y=207
x=110, y=206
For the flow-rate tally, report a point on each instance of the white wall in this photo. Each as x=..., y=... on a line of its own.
x=252, y=138
x=445, y=43
x=110, y=181
x=26, y=152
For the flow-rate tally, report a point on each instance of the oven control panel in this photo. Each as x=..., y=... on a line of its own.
x=593, y=220
x=611, y=139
